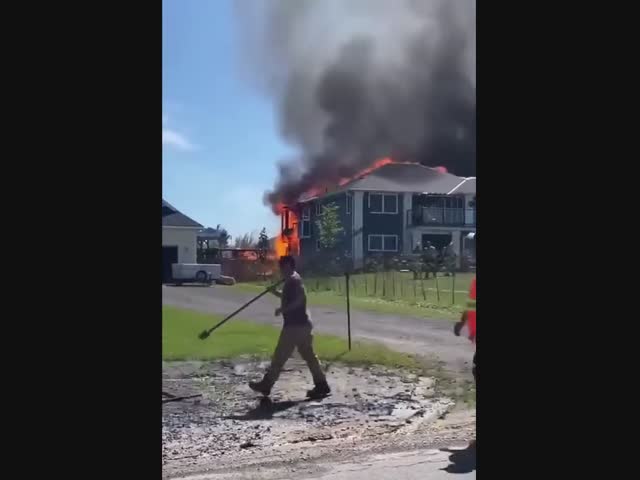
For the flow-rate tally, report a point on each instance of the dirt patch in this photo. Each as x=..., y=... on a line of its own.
x=231, y=427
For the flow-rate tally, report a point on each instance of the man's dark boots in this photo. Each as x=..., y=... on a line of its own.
x=262, y=387
x=320, y=390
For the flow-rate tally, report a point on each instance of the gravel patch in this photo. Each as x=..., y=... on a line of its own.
x=231, y=425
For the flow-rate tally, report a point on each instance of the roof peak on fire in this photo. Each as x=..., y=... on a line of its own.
x=403, y=177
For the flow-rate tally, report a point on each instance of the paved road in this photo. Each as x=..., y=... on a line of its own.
x=458, y=464
x=412, y=335
x=419, y=465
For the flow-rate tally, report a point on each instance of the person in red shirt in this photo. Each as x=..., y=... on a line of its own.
x=468, y=322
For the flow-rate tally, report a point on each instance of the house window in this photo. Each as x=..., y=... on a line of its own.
x=454, y=202
x=305, y=224
x=383, y=243
x=349, y=200
x=383, y=203
x=390, y=243
x=434, y=201
x=375, y=243
x=318, y=208
x=375, y=203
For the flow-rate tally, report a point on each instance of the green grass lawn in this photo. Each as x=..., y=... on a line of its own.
x=391, y=292
x=180, y=329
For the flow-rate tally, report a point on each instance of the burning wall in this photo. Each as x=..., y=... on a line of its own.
x=288, y=241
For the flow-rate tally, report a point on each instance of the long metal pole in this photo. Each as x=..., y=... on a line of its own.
x=206, y=333
x=453, y=290
x=178, y=399
x=346, y=275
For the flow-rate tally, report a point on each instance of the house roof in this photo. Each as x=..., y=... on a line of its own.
x=209, y=234
x=467, y=186
x=409, y=178
x=172, y=217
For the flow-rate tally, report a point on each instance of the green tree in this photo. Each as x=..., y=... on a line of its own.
x=245, y=241
x=224, y=238
x=263, y=244
x=329, y=227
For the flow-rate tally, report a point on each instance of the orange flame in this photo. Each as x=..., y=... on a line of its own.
x=376, y=165
x=280, y=246
x=288, y=241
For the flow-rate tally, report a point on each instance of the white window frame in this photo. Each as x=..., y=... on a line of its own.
x=382, y=237
x=383, y=195
x=306, y=218
x=318, y=208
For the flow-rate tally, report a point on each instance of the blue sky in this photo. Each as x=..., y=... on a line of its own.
x=220, y=141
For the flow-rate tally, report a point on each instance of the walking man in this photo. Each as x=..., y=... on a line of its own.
x=296, y=333
x=430, y=259
x=449, y=259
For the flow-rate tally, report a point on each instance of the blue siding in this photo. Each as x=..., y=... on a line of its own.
x=386, y=224
x=373, y=224
x=308, y=245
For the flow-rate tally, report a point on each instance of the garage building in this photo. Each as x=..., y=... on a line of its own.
x=179, y=239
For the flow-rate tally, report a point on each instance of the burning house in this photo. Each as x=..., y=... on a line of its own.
x=390, y=208
x=362, y=80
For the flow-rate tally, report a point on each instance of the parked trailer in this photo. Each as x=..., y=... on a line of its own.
x=195, y=272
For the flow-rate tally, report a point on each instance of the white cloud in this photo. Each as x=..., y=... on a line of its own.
x=171, y=138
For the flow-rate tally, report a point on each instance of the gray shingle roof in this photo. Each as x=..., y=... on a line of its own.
x=405, y=177
x=171, y=217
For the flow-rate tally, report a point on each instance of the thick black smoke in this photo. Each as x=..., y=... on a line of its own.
x=357, y=80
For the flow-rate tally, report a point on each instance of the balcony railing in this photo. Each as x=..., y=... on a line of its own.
x=434, y=216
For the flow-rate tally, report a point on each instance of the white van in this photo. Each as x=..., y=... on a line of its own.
x=195, y=272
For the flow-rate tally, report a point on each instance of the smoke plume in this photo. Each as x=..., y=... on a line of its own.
x=358, y=80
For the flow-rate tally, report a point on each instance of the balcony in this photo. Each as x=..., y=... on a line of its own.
x=441, y=216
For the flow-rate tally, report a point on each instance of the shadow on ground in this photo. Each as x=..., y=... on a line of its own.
x=265, y=410
x=461, y=461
